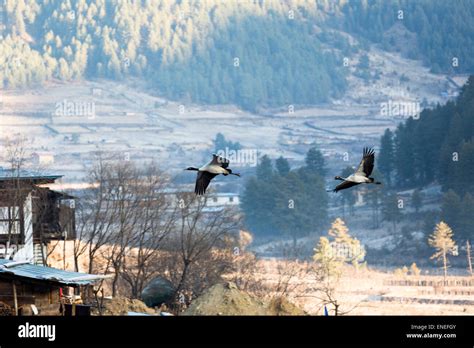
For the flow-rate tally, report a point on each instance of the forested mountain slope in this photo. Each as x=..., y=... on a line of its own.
x=443, y=29
x=437, y=148
x=249, y=53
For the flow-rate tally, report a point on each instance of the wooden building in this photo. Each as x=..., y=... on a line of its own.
x=27, y=289
x=31, y=215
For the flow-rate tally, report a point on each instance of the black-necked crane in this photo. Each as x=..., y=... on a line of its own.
x=218, y=165
x=362, y=174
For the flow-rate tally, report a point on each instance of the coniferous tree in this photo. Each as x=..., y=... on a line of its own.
x=347, y=197
x=464, y=219
x=417, y=200
x=265, y=169
x=288, y=202
x=282, y=166
x=350, y=248
x=404, y=158
x=285, y=55
x=390, y=210
x=386, y=156
x=315, y=162
x=443, y=242
x=328, y=260
x=373, y=200
x=437, y=146
x=461, y=179
x=451, y=206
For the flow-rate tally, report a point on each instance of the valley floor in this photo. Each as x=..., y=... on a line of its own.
x=374, y=292
x=364, y=291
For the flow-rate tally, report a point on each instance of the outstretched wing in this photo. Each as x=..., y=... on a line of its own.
x=344, y=185
x=220, y=161
x=202, y=182
x=367, y=163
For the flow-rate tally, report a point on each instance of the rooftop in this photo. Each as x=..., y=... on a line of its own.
x=26, y=175
x=19, y=269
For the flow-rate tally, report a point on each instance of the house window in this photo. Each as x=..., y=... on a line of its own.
x=9, y=220
x=231, y=199
x=214, y=199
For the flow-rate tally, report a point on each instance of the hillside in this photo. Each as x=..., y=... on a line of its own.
x=244, y=53
x=437, y=148
x=438, y=32
x=253, y=54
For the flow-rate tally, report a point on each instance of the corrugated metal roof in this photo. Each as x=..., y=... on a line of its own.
x=27, y=270
x=37, y=177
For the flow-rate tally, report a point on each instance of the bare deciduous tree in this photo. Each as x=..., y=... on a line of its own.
x=126, y=200
x=95, y=213
x=157, y=215
x=199, y=251
x=15, y=154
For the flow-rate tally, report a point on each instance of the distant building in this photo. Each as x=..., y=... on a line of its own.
x=360, y=201
x=216, y=201
x=95, y=91
x=450, y=94
x=43, y=158
x=457, y=81
x=31, y=215
x=223, y=199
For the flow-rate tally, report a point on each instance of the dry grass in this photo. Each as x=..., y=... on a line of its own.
x=359, y=292
x=365, y=292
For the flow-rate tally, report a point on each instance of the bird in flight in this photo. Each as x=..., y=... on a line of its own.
x=362, y=174
x=218, y=165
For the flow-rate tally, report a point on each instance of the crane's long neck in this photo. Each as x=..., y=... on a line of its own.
x=231, y=173
x=372, y=181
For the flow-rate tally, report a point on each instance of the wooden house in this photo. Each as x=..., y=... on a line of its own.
x=31, y=215
x=27, y=289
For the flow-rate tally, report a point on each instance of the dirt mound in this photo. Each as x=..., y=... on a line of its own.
x=227, y=299
x=281, y=306
x=121, y=306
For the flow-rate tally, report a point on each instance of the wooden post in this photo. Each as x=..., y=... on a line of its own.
x=15, y=299
x=468, y=251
